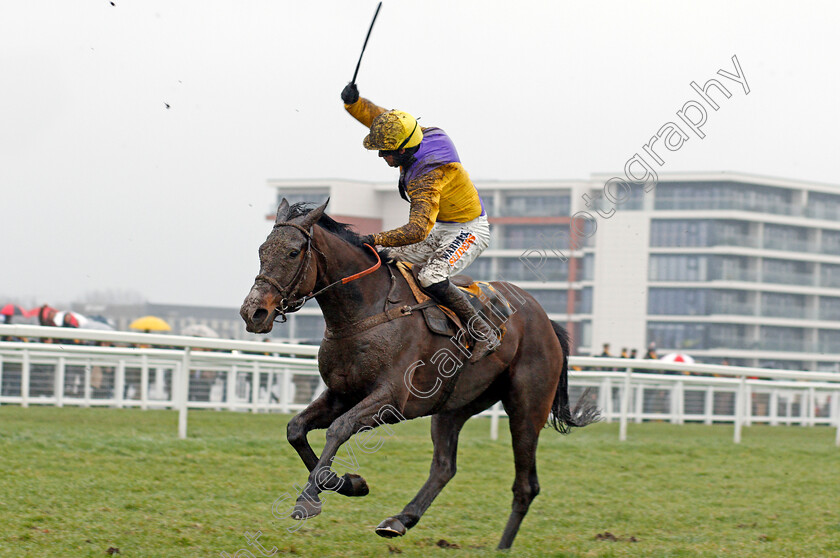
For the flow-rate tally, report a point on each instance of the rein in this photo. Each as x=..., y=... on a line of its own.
x=289, y=304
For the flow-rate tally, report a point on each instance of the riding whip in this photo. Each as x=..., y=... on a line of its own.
x=359, y=63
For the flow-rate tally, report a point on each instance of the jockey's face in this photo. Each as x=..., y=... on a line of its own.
x=393, y=157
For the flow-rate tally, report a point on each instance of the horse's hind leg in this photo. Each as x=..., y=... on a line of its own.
x=524, y=435
x=528, y=403
x=446, y=428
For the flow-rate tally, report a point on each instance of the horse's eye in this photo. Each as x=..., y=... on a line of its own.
x=294, y=253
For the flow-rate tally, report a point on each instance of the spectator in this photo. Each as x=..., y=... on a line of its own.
x=624, y=352
x=606, y=353
x=651, y=351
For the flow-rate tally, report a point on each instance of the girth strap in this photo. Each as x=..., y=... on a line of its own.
x=375, y=320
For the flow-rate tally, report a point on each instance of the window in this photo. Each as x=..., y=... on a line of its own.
x=537, y=237
x=681, y=302
x=583, y=301
x=829, y=341
x=783, y=305
x=782, y=339
x=533, y=269
x=681, y=336
x=829, y=308
x=830, y=275
x=536, y=205
x=724, y=195
x=787, y=272
x=677, y=268
x=552, y=301
x=830, y=242
x=779, y=237
x=679, y=233
x=586, y=271
x=480, y=269
x=824, y=206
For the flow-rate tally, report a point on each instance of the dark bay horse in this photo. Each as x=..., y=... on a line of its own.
x=377, y=358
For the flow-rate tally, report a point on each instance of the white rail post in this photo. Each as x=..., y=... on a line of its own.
x=774, y=407
x=1, y=379
x=24, y=380
x=144, y=382
x=812, y=407
x=748, y=397
x=231, y=387
x=676, y=396
x=640, y=402
x=494, y=420
x=803, y=409
x=255, y=387
x=837, y=417
x=607, y=409
x=119, y=384
x=709, y=405
x=183, y=394
x=740, y=397
x=59, y=381
x=86, y=386
x=625, y=406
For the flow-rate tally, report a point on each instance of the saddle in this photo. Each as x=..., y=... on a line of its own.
x=440, y=320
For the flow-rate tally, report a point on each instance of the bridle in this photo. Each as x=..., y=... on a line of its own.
x=289, y=304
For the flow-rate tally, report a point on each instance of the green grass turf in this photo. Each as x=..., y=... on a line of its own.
x=76, y=482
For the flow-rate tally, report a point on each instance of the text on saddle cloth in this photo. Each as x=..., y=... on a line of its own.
x=484, y=297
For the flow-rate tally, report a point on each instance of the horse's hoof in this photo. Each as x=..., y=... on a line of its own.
x=390, y=528
x=353, y=485
x=306, y=508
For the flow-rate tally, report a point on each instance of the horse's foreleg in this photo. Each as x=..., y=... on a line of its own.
x=445, y=430
x=375, y=409
x=320, y=414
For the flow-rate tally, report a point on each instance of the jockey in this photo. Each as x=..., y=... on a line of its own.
x=447, y=226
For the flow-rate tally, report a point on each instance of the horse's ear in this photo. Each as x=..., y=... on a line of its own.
x=312, y=217
x=282, y=212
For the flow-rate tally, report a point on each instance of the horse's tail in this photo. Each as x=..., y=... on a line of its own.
x=585, y=412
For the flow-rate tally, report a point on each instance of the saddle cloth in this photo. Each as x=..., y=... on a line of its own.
x=484, y=297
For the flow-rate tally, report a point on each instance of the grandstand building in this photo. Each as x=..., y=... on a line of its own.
x=716, y=265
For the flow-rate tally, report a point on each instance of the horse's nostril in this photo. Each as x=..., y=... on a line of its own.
x=260, y=315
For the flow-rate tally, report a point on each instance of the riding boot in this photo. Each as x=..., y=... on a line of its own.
x=483, y=334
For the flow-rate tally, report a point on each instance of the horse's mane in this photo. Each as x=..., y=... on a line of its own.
x=342, y=230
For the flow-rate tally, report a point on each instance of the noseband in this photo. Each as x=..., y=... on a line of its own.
x=288, y=304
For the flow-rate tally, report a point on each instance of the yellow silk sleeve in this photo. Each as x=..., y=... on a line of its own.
x=364, y=111
x=424, y=193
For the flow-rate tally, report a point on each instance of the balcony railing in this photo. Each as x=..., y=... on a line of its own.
x=733, y=275
x=796, y=312
x=732, y=308
x=790, y=245
x=830, y=281
x=779, y=208
x=789, y=278
x=734, y=240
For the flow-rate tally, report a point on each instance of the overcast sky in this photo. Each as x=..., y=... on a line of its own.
x=105, y=188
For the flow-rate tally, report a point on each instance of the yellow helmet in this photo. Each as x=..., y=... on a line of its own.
x=393, y=130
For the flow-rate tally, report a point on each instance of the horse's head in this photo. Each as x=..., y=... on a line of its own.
x=286, y=269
